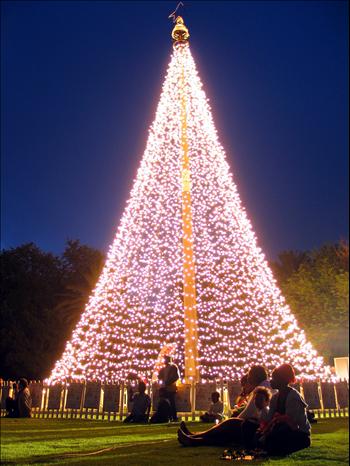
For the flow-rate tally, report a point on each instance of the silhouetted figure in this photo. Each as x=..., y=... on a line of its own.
x=20, y=405
x=141, y=405
x=215, y=411
x=229, y=431
x=169, y=375
x=242, y=399
x=24, y=399
x=11, y=402
x=163, y=412
x=288, y=429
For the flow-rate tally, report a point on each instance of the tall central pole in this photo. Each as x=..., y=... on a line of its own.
x=180, y=35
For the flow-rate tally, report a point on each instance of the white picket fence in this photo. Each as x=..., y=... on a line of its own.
x=94, y=400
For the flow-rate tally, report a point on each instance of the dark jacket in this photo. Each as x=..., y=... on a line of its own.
x=24, y=401
x=163, y=412
x=169, y=375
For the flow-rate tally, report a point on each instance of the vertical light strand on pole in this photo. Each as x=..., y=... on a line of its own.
x=189, y=279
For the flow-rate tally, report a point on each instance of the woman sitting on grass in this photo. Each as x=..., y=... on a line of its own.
x=242, y=399
x=229, y=431
x=288, y=429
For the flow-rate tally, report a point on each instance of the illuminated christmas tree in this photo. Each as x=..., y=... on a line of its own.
x=184, y=270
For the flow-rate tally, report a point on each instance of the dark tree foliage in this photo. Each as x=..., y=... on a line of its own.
x=31, y=280
x=82, y=266
x=288, y=262
x=42, y=297
x=316, y=286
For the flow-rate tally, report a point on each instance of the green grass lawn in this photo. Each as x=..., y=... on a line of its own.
x=57, y=441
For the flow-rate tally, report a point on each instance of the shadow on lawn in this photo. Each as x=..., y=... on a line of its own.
x=99, y=454
x=47, y=459
x=155, y=452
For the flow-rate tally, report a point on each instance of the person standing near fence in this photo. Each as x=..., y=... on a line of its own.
x=20, y=405
x=169, y=375
x=11, y=402
x=24, y=399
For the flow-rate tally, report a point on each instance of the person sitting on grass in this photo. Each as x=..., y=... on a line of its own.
x=242, y=398
x=251, y=426
x=215, y=411
x=229, y=431
x=288, y=429
x=163, y=413
x=257, y=377
x=141, y=405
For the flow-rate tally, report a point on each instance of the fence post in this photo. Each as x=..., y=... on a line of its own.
x=121, y=401
x=193, y=399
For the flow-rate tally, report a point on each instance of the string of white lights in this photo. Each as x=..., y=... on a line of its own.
x=137, y=305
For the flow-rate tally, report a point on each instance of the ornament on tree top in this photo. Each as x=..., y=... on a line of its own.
x=180, y=32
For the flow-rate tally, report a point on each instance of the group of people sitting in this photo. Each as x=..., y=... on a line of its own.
x=166, y=407
x=20, y=403
x=269, y=416
x=141, y=406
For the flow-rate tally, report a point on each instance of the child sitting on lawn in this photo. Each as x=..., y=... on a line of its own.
x=141, y=405
x=252, y=427
x=215, y=411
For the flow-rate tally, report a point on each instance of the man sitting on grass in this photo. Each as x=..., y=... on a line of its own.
x=215, y=411
x=141, y=405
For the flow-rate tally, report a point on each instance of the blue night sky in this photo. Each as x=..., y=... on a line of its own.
x=80, y=85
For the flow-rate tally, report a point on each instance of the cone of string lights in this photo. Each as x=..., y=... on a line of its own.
x=184, y=270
